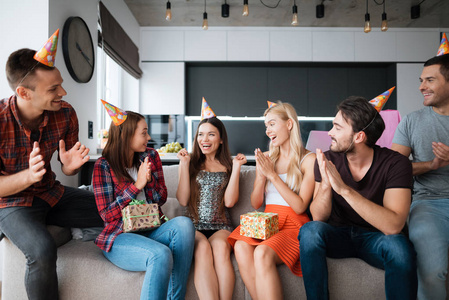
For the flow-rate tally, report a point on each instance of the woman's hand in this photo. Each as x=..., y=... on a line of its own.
x=144, y=174
x=184, y=156
x=239, y=160
x=264, y=165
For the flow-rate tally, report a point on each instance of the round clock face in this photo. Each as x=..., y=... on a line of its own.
x=78, y=49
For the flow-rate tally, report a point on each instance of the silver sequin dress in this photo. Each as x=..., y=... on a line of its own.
x=212, y=186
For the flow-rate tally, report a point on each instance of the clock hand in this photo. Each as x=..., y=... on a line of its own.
x=83, y=54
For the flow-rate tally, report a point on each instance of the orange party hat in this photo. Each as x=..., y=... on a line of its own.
x=380, y=100
x=444, y=47
x=47, y=54
x=117, y=115
x=206, y=111
x=271, y=104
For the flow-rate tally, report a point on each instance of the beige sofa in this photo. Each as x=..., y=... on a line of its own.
x=84, y=273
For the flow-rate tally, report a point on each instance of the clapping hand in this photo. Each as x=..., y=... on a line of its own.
x=264, y=164
x=36, y=164
x=329, y=173
x=75, y=157
x=441, y=152
x=144, y=174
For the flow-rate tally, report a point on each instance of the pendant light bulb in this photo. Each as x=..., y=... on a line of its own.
x=295, y=15
x=384, y=26
x=205, y=23
x=367, y=24
x=168, y=12
x=245, y=8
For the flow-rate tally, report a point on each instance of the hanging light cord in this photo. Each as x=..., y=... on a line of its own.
x=367, y=6
x=270, y=6
x=380, y=3
x=204, y=5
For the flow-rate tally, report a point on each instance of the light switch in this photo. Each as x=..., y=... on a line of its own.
x=90, y=130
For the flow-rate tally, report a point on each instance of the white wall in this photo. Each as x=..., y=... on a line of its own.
x=409, y=96
x=20, y=35
x=30, y=31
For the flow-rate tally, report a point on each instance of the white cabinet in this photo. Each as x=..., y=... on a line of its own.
x=417, y=46
x=205, y=45
x=162, y=45
x=162, y=88
x=333, y=45
x=290, y=46
x=375, y=46
x=248, y=45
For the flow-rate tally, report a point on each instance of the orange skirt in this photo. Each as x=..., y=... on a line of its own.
x=285, y=243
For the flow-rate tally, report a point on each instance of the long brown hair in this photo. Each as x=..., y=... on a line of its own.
x=197, y=159
x=117, y=150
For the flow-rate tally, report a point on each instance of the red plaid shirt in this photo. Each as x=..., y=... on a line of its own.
x=16, y=145
x=112, y=196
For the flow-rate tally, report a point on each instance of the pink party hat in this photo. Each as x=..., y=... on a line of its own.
x=206, y=111
x=380, y=100
x=117, y=115
x=444, y=47
x=271, y=104
x=47, y=54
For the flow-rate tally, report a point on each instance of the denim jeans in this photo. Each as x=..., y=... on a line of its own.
x=165, y=254
x=393, y=253
x=26, y=228
x=429, y=233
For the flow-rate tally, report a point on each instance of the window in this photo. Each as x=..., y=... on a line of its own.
x=115, y=86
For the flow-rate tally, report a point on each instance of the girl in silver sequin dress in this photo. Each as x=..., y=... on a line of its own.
x=208, y=185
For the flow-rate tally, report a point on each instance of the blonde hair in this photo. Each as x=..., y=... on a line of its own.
x=297, y=151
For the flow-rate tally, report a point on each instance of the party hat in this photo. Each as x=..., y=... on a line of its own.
x=444, y=47
x=271, y=104
x=47, y=54
x=380, y=100
x=206, y=111
x=117, y=115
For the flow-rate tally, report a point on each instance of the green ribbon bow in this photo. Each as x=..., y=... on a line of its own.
x=137, y=202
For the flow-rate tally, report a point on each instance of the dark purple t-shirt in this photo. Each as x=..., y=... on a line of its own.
x=388, y=170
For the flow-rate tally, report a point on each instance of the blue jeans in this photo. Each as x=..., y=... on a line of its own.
x=165, y=254
x=393, y=253
x=26, y=228
x=429, y=232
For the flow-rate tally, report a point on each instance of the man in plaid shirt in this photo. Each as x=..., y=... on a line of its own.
x=34, y=123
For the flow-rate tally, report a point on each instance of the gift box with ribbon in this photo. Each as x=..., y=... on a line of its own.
x=259, y=225
x=140, y=216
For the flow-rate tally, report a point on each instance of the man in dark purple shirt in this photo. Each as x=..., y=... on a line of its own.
x=361, y=202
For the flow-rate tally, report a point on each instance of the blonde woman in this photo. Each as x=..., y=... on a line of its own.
x=284, y=177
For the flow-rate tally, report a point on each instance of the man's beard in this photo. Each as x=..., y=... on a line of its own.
x=341, y=149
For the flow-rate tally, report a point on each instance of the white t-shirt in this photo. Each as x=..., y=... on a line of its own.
x=133, y=173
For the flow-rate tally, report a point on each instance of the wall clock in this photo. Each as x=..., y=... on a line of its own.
x=78, y=49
